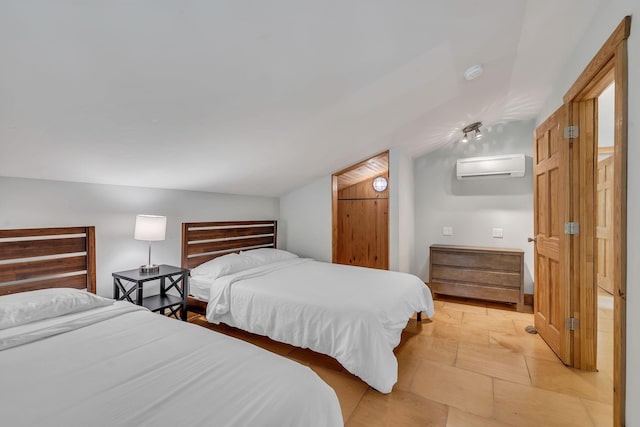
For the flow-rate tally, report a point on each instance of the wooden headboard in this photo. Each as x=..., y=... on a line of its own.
x=204, y=241
x=39, y=258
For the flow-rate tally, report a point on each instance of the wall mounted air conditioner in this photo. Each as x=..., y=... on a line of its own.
x=508, y=165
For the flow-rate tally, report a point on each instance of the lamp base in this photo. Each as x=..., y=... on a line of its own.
x=150, y=268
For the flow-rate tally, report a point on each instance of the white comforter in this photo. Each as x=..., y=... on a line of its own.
x=353, y=314
x=124, y=366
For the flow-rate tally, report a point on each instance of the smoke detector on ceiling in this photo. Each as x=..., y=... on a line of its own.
x=473, y=72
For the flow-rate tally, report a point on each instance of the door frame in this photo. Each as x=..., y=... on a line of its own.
x=610, y=62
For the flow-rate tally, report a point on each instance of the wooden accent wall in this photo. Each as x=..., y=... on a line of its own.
x=363, y=226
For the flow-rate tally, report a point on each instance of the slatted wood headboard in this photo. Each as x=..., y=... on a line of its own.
x=204, y=241
x=39, y=258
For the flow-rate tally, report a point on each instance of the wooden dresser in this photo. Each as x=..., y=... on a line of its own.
x=495, y=274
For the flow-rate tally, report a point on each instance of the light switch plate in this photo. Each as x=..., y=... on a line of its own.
x=447, y=231
x=497, y=233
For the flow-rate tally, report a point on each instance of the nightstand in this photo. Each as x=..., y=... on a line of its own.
x=177, y=277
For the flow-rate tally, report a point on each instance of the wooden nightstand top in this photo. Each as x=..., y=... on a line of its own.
x=135, y=275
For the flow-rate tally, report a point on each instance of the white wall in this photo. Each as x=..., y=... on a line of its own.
x=112, y=210
x=305, y=218
x=474, y=207
x=606, y=20
x=401, y=211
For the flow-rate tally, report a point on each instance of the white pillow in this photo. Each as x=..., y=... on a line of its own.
x=26, y=307
x=269, y=255
x=224, y=265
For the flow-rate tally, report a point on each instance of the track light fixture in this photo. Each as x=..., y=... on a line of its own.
x=473, y=127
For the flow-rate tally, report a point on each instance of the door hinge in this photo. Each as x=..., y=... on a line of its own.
x=571, y=132
x=572, y=323
x=571, y=228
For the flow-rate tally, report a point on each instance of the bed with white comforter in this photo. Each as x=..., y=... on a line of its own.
x=121, y=365
x=356, y=315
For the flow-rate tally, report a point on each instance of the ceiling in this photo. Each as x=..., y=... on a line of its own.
x=375, y=166
x=261, y=97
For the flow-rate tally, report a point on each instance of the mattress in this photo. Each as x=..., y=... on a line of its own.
x=353, y=314
x=200, y=287
x=125, y=366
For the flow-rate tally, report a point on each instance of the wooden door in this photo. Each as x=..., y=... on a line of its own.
x=604, y=223
x=552, y=256
x=363, y=226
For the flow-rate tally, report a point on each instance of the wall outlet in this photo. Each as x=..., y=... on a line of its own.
x=497, y=233
x=447, y=231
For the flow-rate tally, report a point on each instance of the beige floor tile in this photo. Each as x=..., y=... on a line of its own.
x=554, y=376
x=494, y=362
x=414, y=327
x=445, y=315
x=396, y=410
x=526, y=344
x=504, y=325
x=438, y=304
x=474, y=334
x=348, y=390
x=467, y=308
x=424, y=347
x=407, y=367
x=601, y=413
x=443, y=330
x=458, y=418
x=510, y=314
x=465, y=390
x=458, y=332
x=271, y=345
x=521, y=326
x=526, y=406
x=308, y=357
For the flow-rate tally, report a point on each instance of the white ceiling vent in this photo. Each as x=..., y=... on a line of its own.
x=508, y=165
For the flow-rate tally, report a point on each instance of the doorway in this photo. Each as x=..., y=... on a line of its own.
x=580, y=254
x=605, y=252
x=361, y=214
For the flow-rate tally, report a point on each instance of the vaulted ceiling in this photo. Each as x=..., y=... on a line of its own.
x=260, y=97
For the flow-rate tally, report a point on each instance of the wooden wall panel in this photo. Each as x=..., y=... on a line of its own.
x=363, y=233
x=361, y=215
x=364, y=190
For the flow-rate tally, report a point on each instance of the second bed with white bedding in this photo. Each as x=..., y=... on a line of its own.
x=353, y=314
x=121, y=365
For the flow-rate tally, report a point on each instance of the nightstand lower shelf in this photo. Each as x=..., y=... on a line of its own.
x=160, y=302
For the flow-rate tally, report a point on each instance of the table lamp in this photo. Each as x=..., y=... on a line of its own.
x=151, y=228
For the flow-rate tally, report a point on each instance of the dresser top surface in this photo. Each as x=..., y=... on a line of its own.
x=477, y=248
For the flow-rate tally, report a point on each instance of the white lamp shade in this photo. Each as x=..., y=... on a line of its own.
x=150, y=227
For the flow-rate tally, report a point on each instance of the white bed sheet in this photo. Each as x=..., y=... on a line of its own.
x=125, y=366
x=356, y=315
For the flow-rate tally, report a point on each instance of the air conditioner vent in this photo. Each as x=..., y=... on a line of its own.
x=508, y=165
